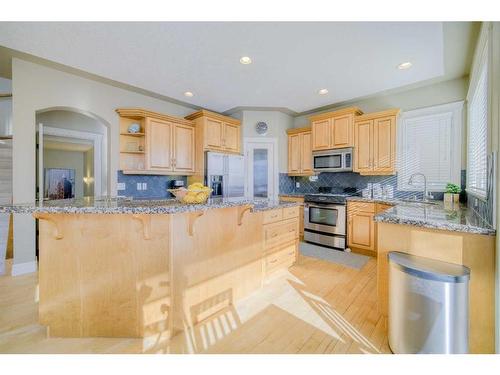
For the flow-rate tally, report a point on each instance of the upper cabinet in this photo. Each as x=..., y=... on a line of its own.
x=300, y=152
x=375, y=143
x=163, y=145
x=333, y=129
x=214, y=132
x=217, y=132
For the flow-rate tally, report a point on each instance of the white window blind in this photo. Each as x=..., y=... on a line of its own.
x=430, y=143
x=478, y=134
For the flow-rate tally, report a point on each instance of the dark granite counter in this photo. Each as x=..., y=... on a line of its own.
x=433, y=215
x=108, y=205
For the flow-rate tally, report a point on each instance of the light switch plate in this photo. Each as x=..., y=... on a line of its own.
x=120, y=186
x=297, y=185
x=144, y=186
x=139, y=186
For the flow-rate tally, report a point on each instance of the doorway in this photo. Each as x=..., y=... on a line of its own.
x=261, y=165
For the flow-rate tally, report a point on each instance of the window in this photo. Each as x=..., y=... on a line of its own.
x=477, y=130
x=430, y=143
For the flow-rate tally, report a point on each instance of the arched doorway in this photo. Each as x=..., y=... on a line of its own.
x=73, y=157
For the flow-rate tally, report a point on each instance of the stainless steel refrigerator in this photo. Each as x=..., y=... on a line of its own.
x=224, y=173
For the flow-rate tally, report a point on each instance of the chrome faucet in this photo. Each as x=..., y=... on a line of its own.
x=426, y=193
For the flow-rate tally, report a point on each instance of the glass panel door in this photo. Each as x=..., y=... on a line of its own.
x=260, y=175
x=260, y=170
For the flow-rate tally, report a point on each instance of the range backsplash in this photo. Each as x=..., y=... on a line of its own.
x=156, y=185
x=348, y=179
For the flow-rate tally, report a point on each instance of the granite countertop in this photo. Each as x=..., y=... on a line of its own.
x=433, y=216
x=107, y=205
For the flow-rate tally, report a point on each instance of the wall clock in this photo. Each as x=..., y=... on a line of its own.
x=261, y=128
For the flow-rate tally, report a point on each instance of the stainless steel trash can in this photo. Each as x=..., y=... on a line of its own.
x=428, y=305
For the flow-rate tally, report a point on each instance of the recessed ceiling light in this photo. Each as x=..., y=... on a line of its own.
x=245, y=60
x=323, y=91
x=405, y=65
x=189, y=94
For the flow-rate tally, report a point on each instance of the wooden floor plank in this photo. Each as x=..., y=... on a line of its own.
x=316, y=307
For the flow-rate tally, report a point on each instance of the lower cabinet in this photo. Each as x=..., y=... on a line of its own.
x=298, y=199
x=281, y=239
x=361, y=228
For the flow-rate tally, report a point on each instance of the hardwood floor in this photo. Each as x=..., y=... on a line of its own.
x=315, y=307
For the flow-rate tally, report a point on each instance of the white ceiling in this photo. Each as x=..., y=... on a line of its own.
x=291, y=61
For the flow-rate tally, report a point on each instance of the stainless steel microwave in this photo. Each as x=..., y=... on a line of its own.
x=338, y=160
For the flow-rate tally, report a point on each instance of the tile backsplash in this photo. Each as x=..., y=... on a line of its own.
x=156, y=185
x=348, y=179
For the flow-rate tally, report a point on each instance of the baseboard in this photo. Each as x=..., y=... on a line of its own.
x=2, y=267
x=369, y=253
x=24, y=268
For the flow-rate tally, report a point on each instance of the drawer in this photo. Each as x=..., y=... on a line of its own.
x=281, y=233
x=291, y=212
x=280, y=259
x=354, y=207
x=273, y=216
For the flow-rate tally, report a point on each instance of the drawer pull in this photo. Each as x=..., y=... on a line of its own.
x=274, y=235
x=291, y=253
x=273, y=261
x=291, y=230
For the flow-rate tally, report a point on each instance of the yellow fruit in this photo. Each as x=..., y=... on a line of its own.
x=200, y=198
x=205, y=189
x=189, y=198
x=195, y=186
x=192, y=193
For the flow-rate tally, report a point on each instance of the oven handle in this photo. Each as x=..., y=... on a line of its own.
x=323, y=205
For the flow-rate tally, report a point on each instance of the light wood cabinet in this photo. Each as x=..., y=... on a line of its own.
x=281, y=239
x=183, y=150
x=217, y=132
x=333, y=129
x=300, y=152
x=214, y=132
x=361, y=228
x=299, y=199
x=164, y=145
x=159, y=145
x=375, y=143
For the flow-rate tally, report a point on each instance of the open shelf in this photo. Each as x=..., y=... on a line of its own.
x=133, y=134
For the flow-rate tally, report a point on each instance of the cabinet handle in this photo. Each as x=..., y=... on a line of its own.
x=273, y=261
x=274, y=235
x=292, y=253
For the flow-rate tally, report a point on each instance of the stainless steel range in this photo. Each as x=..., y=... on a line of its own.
x=325, y=218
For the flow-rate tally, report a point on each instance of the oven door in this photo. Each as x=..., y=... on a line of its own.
x=328, y=218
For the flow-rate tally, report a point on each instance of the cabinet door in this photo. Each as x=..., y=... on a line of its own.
x=321, y=135
x=363, y=139
x=342, y=131
x=361, y=231
x=294, y=153
x=231, y=138
x=159, y=145
x=384, y=144
x=183, y=148
x=214, y=130
x=306, y=152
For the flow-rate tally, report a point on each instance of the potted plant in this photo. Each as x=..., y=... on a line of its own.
x=452, y=193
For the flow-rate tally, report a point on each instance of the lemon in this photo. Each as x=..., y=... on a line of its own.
x=189, y=198
x=200, y=198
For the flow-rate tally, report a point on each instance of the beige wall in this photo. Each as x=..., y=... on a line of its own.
x=435, y=94
x=67, y=160
x=278, y=122
x=426, y=96
x=37, y=87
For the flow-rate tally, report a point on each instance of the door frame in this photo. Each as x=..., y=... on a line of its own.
x=275, y=172
x=74, y=134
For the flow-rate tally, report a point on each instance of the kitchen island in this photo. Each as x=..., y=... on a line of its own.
x=453, y=234
x=134, y=268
